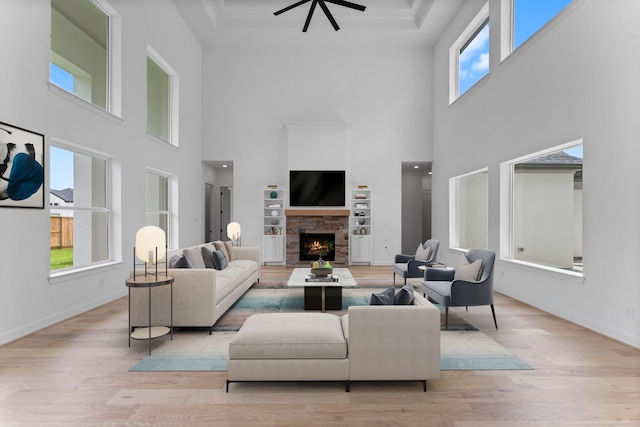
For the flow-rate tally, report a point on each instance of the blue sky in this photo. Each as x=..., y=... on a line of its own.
x=60, y=169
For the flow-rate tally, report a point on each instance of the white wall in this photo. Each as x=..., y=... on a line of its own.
x=578, y=79
x=385, y=93
x=30, y=300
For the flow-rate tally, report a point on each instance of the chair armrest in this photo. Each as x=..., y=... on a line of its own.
x=403, y=258
x=464, y=293
x=412, y=268
x=439, y=274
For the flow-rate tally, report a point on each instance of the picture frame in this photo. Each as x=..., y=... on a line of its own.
x=22, y=167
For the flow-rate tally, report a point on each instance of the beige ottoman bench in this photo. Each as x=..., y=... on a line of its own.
x=289, y=347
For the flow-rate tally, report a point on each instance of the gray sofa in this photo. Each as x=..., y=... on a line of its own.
x=370, y=343
x=200, y=295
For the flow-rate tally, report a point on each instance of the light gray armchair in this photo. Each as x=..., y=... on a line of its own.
x=406, y=266
x=443, y=287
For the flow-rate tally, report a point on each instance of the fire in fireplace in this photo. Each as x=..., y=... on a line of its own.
x=316, y=245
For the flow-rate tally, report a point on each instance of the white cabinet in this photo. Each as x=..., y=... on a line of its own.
x=360, y=229
x=360, y=249
x=273, y=225
x=273, y=249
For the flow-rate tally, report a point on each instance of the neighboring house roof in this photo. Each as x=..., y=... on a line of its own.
x=66, y=194
x=557, y=158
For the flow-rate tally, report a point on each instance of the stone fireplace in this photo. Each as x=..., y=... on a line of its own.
x=321, y=221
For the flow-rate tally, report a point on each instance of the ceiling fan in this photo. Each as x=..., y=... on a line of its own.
x=325, y=9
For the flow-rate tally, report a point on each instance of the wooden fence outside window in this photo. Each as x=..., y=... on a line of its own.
x=61, y=232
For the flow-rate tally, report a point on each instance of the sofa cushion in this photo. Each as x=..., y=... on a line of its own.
x=404, y=296
x=383, y=298
x=219, y=245
x=207, y=256
x=469, y=272
x=219, y=260
x=289, y=336
x=422, y=253
x=194, y=255
x=231, y=251
x=178, y=261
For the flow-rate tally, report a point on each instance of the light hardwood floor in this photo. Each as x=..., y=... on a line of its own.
x=76, y=373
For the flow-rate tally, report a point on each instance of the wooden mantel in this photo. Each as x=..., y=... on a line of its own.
x=316, y=212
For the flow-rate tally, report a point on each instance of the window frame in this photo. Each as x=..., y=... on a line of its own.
x=455, y=210
x=172, y=205
x=173, y=107
x=113, y=81
x=507, y=220
x=110, y=207
x=476, y=25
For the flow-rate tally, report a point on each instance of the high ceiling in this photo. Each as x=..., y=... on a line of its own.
x=253, y=23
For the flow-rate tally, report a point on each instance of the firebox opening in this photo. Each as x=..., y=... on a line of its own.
x=316, y=245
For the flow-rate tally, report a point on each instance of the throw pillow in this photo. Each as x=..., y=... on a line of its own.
x=404, y=296
x=422, y=253
x=231, y=251
x=466, y=271
x=219, y=260
x=207, y=256
x=178, y=261
x=194, y=255
x=383, y=298
x=219, y=244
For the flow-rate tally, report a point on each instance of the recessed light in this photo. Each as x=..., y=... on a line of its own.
x=224, y=166
x=416, y=167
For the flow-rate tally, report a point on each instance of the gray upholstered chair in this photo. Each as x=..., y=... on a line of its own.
x=441, y=286
x=406, y=266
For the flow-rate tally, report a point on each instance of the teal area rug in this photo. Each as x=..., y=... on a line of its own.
x=462, y=346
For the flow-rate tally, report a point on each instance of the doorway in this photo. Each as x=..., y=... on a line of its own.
x=416, y=205
x=225, y=211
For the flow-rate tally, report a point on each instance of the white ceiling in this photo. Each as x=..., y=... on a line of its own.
x=253, y=23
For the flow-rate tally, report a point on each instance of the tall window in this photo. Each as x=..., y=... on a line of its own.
x=469, y=210
x=469, y=55
x=529, y=16
x=159, y=203
x=162, y=87
x=546, y=208
x=80, y=49
x=80, y=232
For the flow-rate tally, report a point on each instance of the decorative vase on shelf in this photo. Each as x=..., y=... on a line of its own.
x=274, y=195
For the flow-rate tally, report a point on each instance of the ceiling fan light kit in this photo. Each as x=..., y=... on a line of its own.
x=325, y=9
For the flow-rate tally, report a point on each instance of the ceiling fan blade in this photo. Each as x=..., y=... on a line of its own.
x=311, y=9
x=329, y=15
x=301, y=2
x=347, y=4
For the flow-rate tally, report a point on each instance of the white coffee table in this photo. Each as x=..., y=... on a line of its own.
x=322, y=294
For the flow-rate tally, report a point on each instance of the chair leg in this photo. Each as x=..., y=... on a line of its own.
x=493, y=311
x=394, y=279
x=446, y=318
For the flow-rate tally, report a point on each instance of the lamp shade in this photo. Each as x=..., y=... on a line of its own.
x=149, y=241
x=233, y=231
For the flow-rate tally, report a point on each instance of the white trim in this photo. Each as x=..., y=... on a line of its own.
x=454, y=207
x=174, y=104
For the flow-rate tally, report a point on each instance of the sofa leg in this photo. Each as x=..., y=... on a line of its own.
x=394, y=279
x=424, y=385
x=228, y=386
x=347, y=386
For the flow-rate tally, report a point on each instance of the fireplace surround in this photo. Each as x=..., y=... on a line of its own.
x=317, y=221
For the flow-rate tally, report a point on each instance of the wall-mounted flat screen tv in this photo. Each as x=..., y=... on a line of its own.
x=316, y=188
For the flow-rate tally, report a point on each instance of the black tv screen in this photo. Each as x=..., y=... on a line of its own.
x=316, y=188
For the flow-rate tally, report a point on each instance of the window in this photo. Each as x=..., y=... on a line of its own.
x=162, y=85
x=80, y=233
x=80, y=50
x=469, y=55
x=523, y=18
x=469, y=210
x=546, y=208
x=158, y=188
